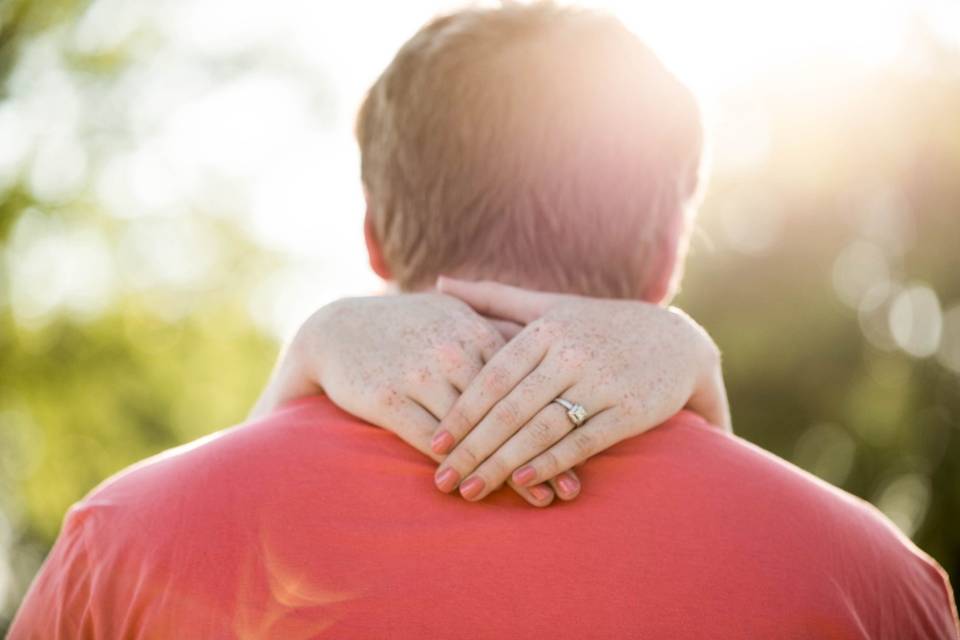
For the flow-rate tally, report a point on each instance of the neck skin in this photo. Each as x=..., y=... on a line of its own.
x=660, y=290
x=391, y=287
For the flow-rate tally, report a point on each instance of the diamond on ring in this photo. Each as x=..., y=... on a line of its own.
x=576, y=412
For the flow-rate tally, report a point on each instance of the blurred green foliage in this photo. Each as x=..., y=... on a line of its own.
x=803, y=380
x=86, y=394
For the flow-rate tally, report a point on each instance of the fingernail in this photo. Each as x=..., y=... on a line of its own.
x=523, y=475
x=442, y=442
x=446, y=480
x=540, y=492
x=472, y=487
x=568, y=484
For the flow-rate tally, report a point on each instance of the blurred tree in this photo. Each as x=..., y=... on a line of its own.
x=88, y=389
x=21, y=19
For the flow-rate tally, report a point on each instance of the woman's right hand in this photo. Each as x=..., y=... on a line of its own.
x=399, y=362
x=632, y=363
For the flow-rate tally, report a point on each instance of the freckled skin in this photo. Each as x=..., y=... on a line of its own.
x=398, y=343
x=401, y=362
x=631, y=364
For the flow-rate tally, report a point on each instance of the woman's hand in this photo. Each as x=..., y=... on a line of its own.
x=632, y=365
x=398, y=362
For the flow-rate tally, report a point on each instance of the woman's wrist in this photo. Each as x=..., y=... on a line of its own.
x=297, y=373
x=709, y=396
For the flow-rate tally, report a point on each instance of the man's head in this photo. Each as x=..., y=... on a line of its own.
x=541, y=146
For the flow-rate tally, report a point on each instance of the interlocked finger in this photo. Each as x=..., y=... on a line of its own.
x=505, y=419
x=415, y=424
x=546, y=428
x=496, y=380
x=577, y=446
x=436, y=397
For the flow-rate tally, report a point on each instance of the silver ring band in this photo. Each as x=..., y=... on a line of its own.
x=576, y=412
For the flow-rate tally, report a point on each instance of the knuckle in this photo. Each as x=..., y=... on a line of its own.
x=450, y=353
x=447, y=354
x=495, y=470
x=457, y=422
x=463, y=377
x=547, y=465
x=551, y=327
x=491, y=341
x=386, y=395
x=497, y=382
x=541, y=433
x=463, y=458
x=419, y=432
x=584, y=443
x=534, y=382
x=470, y=369
x=417, y=375
x=506, y=413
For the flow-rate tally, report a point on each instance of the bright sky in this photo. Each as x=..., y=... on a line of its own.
x=271, y=140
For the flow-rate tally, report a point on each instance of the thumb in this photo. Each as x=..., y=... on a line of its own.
x=500, y=300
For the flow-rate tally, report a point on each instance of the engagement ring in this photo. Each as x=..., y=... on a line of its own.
x=576, y=412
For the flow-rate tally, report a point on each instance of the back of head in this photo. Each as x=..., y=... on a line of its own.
x=535, y=144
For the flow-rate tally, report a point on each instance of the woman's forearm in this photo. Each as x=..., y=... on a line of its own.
x=709, y=396
x=296, y=374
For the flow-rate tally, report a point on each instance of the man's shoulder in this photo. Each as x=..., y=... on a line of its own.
x=309, y=488
x=727, y=462
x=147, y=545
x=759, y=486
x=299, y=429
x=194, y=520
x=226, y=482
x=765, y=511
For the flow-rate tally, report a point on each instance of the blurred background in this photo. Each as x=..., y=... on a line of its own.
x=179, y=188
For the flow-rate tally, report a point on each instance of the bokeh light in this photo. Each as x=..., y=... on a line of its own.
x=905, y=500
x=915, y=320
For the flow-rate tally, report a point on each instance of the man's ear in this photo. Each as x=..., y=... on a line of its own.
x=374, y=250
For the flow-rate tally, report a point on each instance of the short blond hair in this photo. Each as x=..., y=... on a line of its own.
x=535, y=144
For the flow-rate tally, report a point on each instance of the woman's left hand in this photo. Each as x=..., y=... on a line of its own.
x=631, y=364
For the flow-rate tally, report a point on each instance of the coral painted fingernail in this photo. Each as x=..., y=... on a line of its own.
x=523, y=475
x=568, y=484
x=540, y=492
x=472, y=487
x=446, y=480
x=442, y=442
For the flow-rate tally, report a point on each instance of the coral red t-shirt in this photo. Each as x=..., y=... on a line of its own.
x=313, y=524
